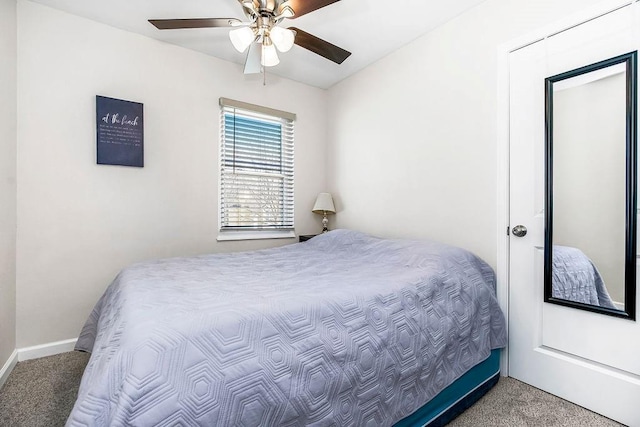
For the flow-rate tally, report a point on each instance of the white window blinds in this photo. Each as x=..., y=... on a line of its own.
x=256, y=168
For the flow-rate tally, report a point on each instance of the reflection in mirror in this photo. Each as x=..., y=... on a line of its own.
x=591, y=189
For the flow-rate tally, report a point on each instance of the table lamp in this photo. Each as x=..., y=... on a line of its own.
x=324, y=205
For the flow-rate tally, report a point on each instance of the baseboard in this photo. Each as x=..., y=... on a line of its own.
x=8, y=367
x=44, y=350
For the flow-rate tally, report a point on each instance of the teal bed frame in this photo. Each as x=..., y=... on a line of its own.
x=458, y=396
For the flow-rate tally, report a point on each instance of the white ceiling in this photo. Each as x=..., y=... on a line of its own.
x=370, y=29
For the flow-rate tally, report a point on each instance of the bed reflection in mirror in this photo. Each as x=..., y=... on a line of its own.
x=590, y=188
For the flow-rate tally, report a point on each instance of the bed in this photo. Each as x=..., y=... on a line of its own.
x=344, y=329
x=576, y=278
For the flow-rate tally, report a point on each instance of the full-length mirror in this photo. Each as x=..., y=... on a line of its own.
x=590, y=229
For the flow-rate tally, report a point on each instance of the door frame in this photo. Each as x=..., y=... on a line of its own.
x=503, y=127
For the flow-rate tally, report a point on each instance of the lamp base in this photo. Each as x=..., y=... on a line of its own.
x=325, y=223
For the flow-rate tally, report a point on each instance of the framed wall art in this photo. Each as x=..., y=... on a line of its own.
x=119, y=132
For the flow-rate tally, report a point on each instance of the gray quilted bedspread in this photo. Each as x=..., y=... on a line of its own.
x=576, y=278
x=345, y=329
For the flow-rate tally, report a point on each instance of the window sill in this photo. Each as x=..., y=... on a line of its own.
x=224, y=236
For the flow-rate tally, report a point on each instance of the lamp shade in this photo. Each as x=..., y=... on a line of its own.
x=269, y=54
x=324, y=204
x=283, y=39
x=241, y=38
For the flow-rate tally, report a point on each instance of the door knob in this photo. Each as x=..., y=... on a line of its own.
x=519, y=231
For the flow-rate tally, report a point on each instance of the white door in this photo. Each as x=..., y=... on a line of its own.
x=587, y=358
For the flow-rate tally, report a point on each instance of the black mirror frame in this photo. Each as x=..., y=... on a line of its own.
x=630, y=59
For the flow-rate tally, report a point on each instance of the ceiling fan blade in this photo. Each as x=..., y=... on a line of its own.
x=319, y=46
x=252, y=65
x=174, y=24
x=302, y=7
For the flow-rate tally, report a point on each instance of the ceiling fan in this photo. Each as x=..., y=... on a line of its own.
x=262, y=34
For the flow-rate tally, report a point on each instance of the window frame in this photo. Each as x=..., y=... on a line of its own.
x=287, y=119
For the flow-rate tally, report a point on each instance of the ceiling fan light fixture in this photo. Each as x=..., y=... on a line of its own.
x=282, y=38
x=241, y=38
x=269, y=54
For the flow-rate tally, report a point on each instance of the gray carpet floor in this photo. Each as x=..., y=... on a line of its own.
x=41, y=393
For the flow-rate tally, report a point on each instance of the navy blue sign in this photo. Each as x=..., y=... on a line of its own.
x=120, y=132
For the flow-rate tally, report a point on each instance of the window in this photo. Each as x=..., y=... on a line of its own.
x=256, y=172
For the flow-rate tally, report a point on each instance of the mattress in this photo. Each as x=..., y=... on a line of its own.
x=345, y=329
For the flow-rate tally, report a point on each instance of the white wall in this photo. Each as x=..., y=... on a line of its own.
x=80, y=223
x=7, y=178
x=412, y=138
